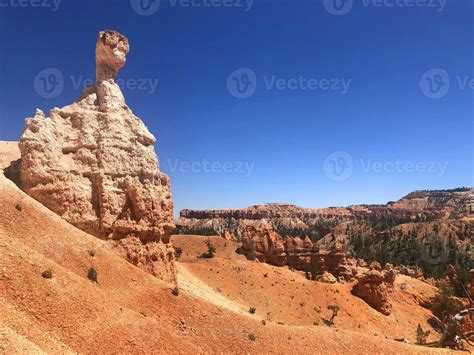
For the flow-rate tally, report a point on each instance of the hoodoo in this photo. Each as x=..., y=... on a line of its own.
x=93, y=163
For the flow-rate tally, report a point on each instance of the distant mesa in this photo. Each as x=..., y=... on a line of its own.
x=292, y=220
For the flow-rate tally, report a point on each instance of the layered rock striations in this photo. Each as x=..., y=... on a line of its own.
x=426, y=228
x=93, y=161
x=371, y=283
x=292, y=220
x=265, y=245
x=375, y=287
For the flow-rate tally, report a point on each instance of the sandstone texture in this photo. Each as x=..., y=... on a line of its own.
x=328, y=266
x=289, y=219
x=374, y=287
x=154, y=257
x=93, y=162
x=424, y=228
x=228, y=235
x=265, y=245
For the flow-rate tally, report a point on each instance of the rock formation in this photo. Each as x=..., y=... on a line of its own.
x=263, y=244
x=374, y=287
x=266, y=245
x=292, y=220
x=228, y=235
x=94, y=164
x=154, y=257
x=427, y=220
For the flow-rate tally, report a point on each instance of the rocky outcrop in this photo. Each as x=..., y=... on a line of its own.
x=422, y=228
x=154, y=257
x=228, y=235
x=279, y=216
x=452, y=202
x=427, y=220
x=326, y=277
x=93, y=162
x=266, y=245
x=110, y=54
x=413, y=271
x=292, y=220
x=374, y=287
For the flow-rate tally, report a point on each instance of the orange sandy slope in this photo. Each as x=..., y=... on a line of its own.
x=129, y=310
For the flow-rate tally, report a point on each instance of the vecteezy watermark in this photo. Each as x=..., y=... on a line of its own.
x=338, y=7
x=343, y=7
x=242, y=83
x=53, y=5
x=204, y=166
x=435, y=83
x=147, y=85
x=49, y=83
x=149, y=7
x=339, y=166
x=145, y=7
x=246, y=5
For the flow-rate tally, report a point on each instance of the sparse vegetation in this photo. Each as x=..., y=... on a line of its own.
x=47, y=274
x=444, y=304
x=177, y=252
x=175, y=291
x=421, y=335
x=18, y=207
x=252, y=336
x=195, y=230
x=252, y=310
x=335, y=310
x=91, y=253
x=211, y=250
x=92, y=274
x=265, y=274
x=432, y=253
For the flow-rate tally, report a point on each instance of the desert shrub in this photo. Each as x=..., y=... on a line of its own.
x=252, y=310
x=18, y=207
x=265, y=274
x=47, y=274
x=92, y=274
x=444, y=303
x=462, y=282
x=211, y=250
x=195, y=230
x=175, y=291
x=421, y=335
x=177, y=252
x=335, y=310
x=91, y=253
x=252, y=336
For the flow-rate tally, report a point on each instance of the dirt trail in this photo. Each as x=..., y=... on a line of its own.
x=194, y=286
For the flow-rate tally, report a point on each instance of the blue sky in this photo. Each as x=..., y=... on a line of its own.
x=312, y=102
